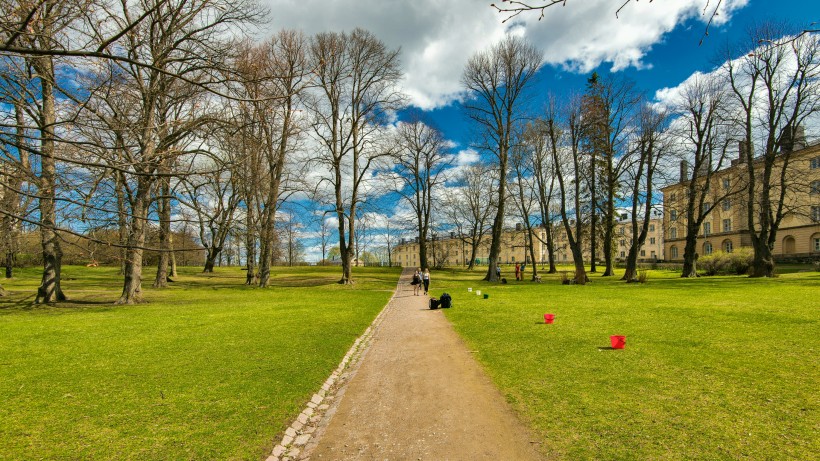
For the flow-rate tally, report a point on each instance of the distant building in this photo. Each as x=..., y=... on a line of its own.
x=453, y=251
x=726, y=228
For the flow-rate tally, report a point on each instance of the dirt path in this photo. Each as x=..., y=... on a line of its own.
x=419, y=394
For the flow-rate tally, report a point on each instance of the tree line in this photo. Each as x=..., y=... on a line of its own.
x=128, y=119
x=578, y=163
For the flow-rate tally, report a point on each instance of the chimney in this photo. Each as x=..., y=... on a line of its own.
x=518, y=226
x=452, y=235
x=786, y=139
x=743, y=151
x=800, y=138
x=684, y=171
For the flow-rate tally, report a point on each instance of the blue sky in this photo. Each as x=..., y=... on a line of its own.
x=666, y=63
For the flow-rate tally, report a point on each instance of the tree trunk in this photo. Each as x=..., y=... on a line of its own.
x=210, y=259
x=531, y=248
x=173, y=257
x=265, y=252
x=122, y=220
x=132, y=284
x=161, y=280
x=9, y=264
x=422, y=247
x=593, y=220
x=690, y=256
x=609, y=223
x=763, y=262
x=49, y=290
x=498, y=224
x=250, y=245
x=550, y=249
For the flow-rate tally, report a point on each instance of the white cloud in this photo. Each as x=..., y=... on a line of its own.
x=437, y=40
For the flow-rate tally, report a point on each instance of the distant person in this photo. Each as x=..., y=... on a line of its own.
x=416, y=281
x=523, y=270
x=498, y=271
x=517, y=271
x=425, y=277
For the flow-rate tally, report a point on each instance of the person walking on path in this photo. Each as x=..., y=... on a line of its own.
x=416, y=281
x=425, y=277
x=517, y=271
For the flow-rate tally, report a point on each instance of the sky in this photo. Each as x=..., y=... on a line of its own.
x=657, y=44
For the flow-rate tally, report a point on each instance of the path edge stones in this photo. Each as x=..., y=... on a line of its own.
x=305, y=431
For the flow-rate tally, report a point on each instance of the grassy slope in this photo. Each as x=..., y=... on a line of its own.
x=209, y=369
x=714, y=368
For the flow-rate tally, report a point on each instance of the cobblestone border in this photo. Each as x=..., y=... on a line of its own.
x=303, y=434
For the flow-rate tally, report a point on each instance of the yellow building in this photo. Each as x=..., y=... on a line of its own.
x=453, y=251
x=726, y=226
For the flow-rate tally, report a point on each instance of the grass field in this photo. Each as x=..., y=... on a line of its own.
x=208, y=369
x=714, y=368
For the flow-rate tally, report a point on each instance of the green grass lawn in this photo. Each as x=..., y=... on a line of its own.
x=714, y=368
x=207, y=369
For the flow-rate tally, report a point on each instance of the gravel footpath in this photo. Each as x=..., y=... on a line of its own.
x=408, y=389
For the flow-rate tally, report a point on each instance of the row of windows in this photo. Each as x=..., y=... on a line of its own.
x=707, y=227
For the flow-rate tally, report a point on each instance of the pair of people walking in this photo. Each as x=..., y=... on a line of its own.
x=519, y=271
x=421, y=279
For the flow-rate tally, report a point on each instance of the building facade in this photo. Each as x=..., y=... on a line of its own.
x=454, y=251
x=726, y=227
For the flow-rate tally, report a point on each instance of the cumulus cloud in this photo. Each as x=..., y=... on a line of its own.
x=437, y=38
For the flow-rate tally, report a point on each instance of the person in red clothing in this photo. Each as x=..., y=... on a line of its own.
x=517, y=271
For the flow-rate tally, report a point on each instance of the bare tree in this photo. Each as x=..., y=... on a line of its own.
x=567, y=158
x=14, y=168
x=609, y=109
x=420, y=166
x=469, y=207
x=357, y=76
x=544, y=183
x=647, y=150
x=524, y=196
x=212, y=198
x=275, y=76
x=701, y=130
x=496, y=81
x=775, y=87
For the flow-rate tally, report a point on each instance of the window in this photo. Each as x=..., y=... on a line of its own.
x=651, y=228
x=815, y=163
x=672, y=197
x=622, y=231
x=652, y=240
x=643, y=252
x=674, y=251
x=707, y=248
x=727, y=183
x=623, y=254
x=706, y=206
x=673, y=233
x=727, y=205
x=623, y=242
x=654, y=256
x=727, y=246
x=673, y=215
x=817, y=244
x=815, y=187
x=727, y=225
x=815, y=213
x=707, y=228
